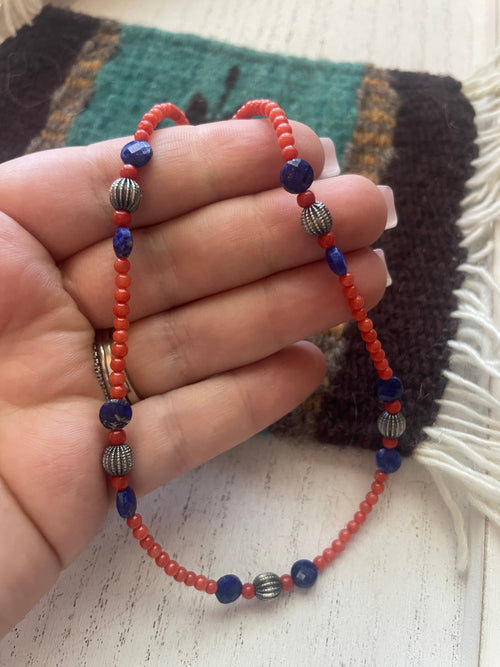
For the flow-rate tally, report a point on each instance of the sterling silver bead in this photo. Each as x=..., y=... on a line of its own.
x=117, y=460
x=267, y=586
x=391, y=426
x=125, y=194
x=316, y=219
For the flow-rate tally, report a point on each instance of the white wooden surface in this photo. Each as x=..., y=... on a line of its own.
x=394, y=597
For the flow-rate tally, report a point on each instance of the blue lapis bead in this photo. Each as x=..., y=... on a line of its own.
x=229, y=588
x=389, y=390
x=115, y=413
x=123, y=242
x=296, y=176
x=304, y=573
x=126, y=502
x=137, y=153
x=388, y=460
x=336, y=261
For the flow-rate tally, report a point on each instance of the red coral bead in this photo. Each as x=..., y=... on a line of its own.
x=117, y=364
x=211, y=587
x=320, y=562
x=190, y=578
x=378, y=488
x=162, y=560
x=282, y=128
x=360, y=315
x=286, y=582
x=122, y=295
x=119, y=350
x=181, y=574
x=360, y=517
x=172, y=568
x=393, y=407
x=365, y=325
x=201, y=583
x=140, y=532
x=117, y=437
x=289, y=153
x=350, y=292
x=369, y=336
x=122, y=280
x=146, y=126
x=328, y=554
x=248, y=591
x=122, y=218
x=365, y=507
x=371, y=498
x=390, y=443
x=385, y=374
x=121, y=309
x=119, y=482
x=121, y=265
x=353, y=525
x=357, y=302
x=120, y=336
x=116, y=378
x=326, y=240
x=134, y=521
x=344, y=535
x=286, y=140
x=347, y=279
x=147, y=542
x=120, y=323
x=120, y=391
x=381, y=476
x=154, y=551
x=338, y=546
x=305, y=199
x=141, y=135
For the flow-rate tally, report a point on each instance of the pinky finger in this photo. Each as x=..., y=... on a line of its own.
x=174, y=432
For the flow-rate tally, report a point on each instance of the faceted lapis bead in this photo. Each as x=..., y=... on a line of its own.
x=336, y=261
x=304, y=573
x=137, y=153
x=115, y=413
x=229, y=588
x=296, y=176
x=388, y=460
x=123, y=242
x=389, y=390
x=126, y=502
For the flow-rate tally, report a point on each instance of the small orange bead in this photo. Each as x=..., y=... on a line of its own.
x=381, y=476
x=121, y=265
x=190, y=578
x=248, y=591
x=201, y=582
x=134, y=521
x=374, y=346
x=282, y=128
x=338, y=546
x=344, y=535
x=120, y=336
x=117, y=437
x=119, y=350
x=347, y=279
x=360, y=517
x=141, y=135
x=122, y=218
x=140, y=532
x=360, y=315
x=381, y=365
x=120, y=391
x=286, y=140
x=121, y=309
x=328, y=554
x=181, y=574
x=385, y=374
x=365, y=325
x=120, y=323
x=371, y=498
x=369, y=336
x=151, y=118
x=122, y=280
x=119, y=482
x=326, y=240
x=365, y=507
x=305, y=199
x=320, y=562
x=393, y=407
x=270, y=105
x=211, y=587
x=378, y=488
x=378, y=355
x=116, y=379
x=350, y=292
x=275, y=113
x=356, y=303
x=146, y=126
x=172, y=568
x=162, y=560
x=147, y=542
x=122, y=295
x=286, y=582
x=157, y=113
x=154, y=551
x=353, y=526
x=129, y=171
x=289, y=153
x=390, y=443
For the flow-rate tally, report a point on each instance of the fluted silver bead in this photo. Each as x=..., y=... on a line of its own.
x=391, y=426
x=117, y=460
x=267, y=586
x=316, y=219
x=125, y=194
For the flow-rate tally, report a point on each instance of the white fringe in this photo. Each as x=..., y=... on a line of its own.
x=462, y=448
x=16, y=13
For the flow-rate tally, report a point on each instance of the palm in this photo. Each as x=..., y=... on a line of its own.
x=223, y=284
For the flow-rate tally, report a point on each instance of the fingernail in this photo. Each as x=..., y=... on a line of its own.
x=392, y=216
x=331, y=166
x=381, y=254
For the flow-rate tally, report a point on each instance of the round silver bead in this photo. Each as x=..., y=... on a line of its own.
x=316, y=219
x=267, y=586
x=125, y=194
x=391, y=426
x=117, y=460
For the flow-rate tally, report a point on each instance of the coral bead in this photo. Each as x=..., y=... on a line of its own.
x=320, y=562
x=162, y=560
x=134, y=521
x=201, y=583
x=248, y=591
x=286, y=582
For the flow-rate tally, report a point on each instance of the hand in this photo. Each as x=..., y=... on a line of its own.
x=224, y=282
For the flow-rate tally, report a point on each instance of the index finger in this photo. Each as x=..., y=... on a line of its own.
x=61, y=196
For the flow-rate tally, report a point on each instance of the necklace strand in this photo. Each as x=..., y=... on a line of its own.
x=296, y=177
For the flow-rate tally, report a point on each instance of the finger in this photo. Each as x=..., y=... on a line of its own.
x=62, y=196
x=221, y=247
x=241, y=326
x=179, y=430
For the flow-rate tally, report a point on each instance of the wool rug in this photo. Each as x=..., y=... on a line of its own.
x=71, y=79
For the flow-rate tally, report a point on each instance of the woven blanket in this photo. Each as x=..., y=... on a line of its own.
x=71, y=79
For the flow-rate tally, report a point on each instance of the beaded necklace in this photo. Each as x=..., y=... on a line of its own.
x=296, y=177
